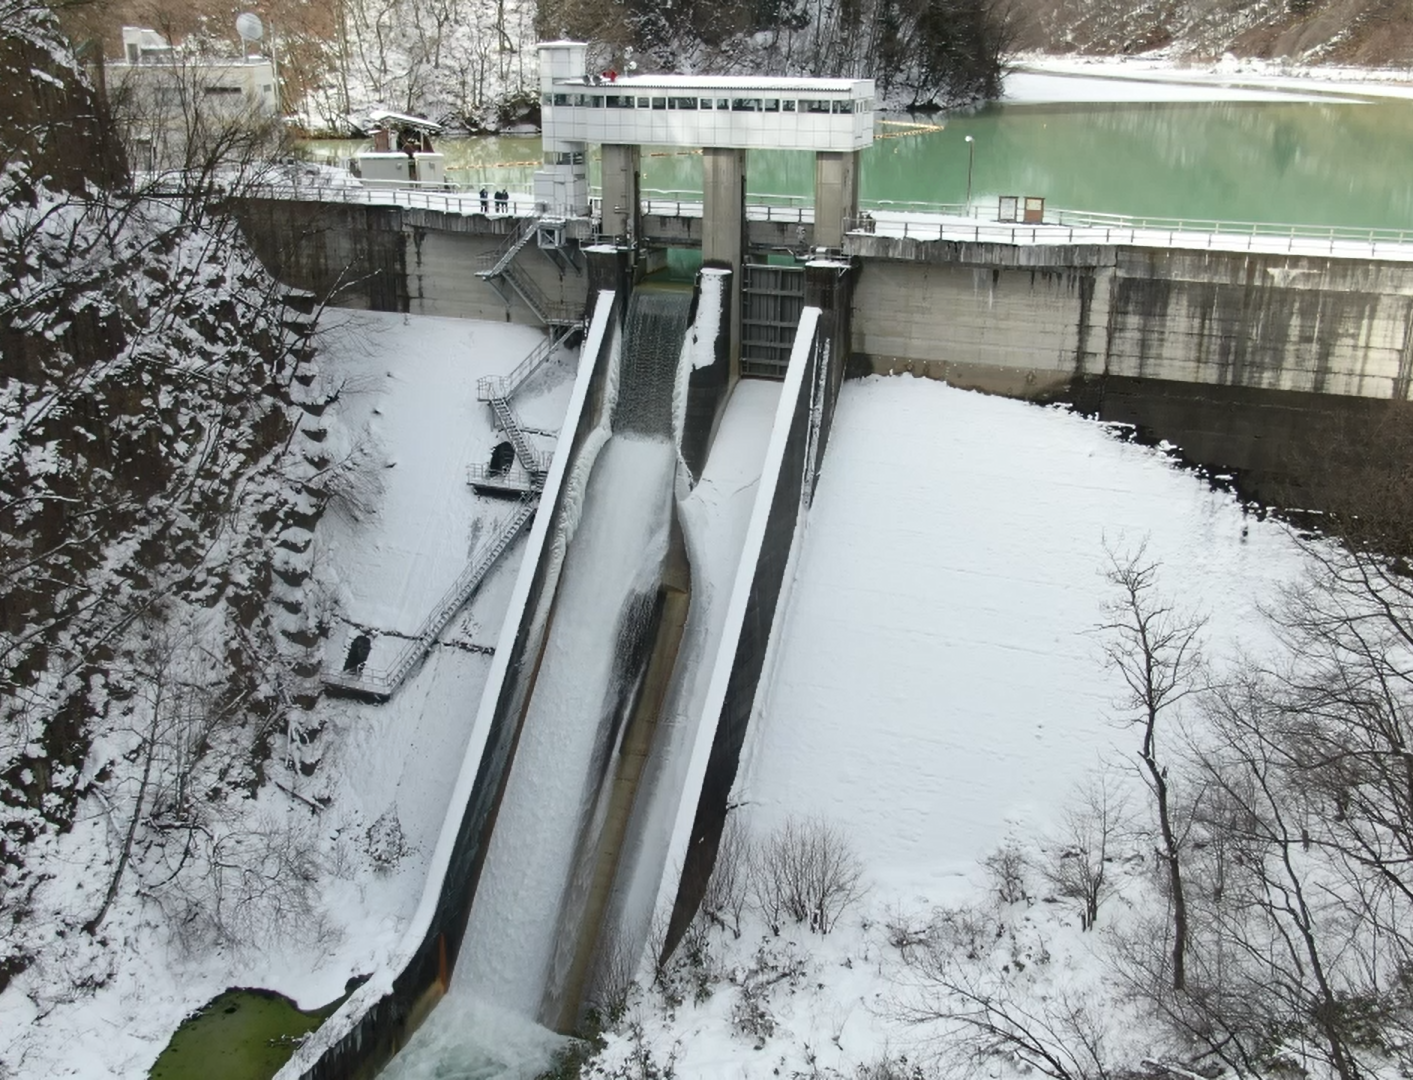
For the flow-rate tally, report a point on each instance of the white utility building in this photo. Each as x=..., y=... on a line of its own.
x=724, y=115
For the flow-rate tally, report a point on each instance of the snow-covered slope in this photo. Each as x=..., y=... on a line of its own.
x=938, y=681
x=937, y=689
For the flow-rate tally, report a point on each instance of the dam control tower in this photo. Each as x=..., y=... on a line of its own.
x=724, y=116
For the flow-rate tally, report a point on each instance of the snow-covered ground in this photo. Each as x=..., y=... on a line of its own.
x=1042, y=78
x=938, y=641
x=411, y=397
x=1044, y=81
x=408, y=400
x=936, y=688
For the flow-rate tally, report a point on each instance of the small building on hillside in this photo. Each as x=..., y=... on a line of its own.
x=165, y=78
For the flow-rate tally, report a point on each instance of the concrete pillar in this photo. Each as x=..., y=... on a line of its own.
x=836, y=195
x=724, y=226
x=621, y=169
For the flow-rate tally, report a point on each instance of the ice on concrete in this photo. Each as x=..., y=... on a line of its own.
x=714, y=518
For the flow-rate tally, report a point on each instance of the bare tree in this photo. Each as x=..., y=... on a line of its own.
x=806, y=871
x=1278, y=912
x=729, y=886
x=1155, y=650
x=981, y=1015
x=1077, y=864
x=156, y=699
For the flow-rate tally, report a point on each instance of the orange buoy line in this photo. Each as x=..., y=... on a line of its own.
x=913, y=128
x=494, y=165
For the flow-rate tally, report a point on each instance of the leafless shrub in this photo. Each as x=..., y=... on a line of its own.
x=353, y=485
x=907, y=931
x=1007, y=868
x=967, y=932
x=1076, y=865
x=891, y=1068
x=640, y=1062
x=772, y=966
x=613, y=984
x=691, y=970
x=807, y=872
x=728, y=888
x=983, y=1016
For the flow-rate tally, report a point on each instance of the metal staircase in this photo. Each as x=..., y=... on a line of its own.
x=381, y=685
x=494, y=263
x=503, y=386
x=499, y=266
x=535, y=463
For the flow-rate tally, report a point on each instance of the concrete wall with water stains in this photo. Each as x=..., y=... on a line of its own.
x=389, y=258
x=1028, y=320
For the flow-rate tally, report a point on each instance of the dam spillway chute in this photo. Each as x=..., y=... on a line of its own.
x=550, y=855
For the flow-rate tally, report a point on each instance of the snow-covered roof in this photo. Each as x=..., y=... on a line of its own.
x=387, y=116
x=728, y=83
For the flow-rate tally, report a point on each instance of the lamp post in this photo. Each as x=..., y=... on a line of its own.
x=971, y=159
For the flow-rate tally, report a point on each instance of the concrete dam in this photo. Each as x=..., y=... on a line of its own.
x=594, y=788
x=582, y=811
x=540, y=884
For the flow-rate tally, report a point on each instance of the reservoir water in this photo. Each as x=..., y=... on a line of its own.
x=1330, y=162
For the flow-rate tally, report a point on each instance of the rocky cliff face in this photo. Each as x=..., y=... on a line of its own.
x=55, y=123
x=151, y=508
x=1373, y=33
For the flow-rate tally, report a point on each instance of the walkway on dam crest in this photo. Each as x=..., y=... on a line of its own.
x=950, y=222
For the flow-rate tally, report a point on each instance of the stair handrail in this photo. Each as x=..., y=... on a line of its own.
x=546, y=310
x=491, y=262
x=452, y=600
x=494, y=386
x=533, y=461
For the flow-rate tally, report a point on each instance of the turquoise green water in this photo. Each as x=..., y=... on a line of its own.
x=1323, y=163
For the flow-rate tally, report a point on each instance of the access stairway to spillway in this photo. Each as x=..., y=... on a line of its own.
x=496, y=390
x=378, y=685
x=498, y=267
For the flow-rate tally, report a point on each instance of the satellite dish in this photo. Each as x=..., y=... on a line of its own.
x=249, y=27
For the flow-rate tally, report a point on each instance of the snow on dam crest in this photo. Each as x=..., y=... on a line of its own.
x=935, y=679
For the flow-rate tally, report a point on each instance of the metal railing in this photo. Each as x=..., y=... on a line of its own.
x=494, y=262
x=513, y=480
x=549, y=312
x=1059, y=226
x=503, y=386
x=1082, y=227
x=448, y=198
x=382, y=683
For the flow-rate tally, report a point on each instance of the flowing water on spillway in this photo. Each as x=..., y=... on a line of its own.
x=519, y=940
x=657, y=323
